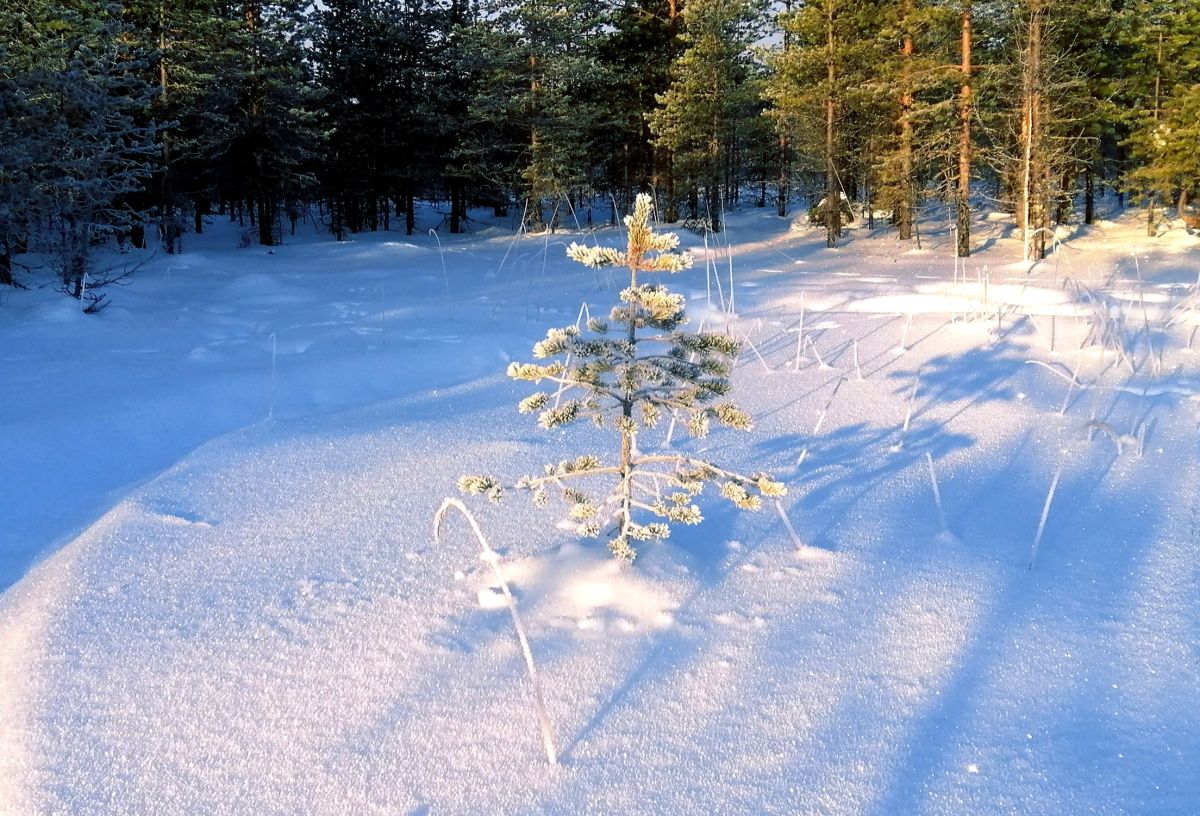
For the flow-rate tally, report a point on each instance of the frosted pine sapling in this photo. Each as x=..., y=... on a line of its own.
x=624, y=373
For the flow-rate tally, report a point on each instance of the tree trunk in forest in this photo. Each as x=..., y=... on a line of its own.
x=785, y=190
x=6, y=275
x=671, y=211
x=1089, y=197
x=457, y=211
x=170, y=229
x=712, y=200
x=266, y=220
x=1033, y=204
x=785, y=168
x=904, y=208
x=1066, y=198
x=833, y=201
x=1151, y=215
x=337, y=223
x=965, y=112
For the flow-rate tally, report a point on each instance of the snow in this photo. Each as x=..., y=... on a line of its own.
x=220, y=594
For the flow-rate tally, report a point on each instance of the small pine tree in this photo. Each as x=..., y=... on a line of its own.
x=627, y=379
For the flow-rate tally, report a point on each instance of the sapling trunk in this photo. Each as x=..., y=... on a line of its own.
x=493, y=559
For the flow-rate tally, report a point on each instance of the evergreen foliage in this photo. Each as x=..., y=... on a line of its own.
x=74, y=142
x=637, y=55
x=539, y=89
x=1163, y=101
x=627, y=373
x=119, y=117
x=709, y=100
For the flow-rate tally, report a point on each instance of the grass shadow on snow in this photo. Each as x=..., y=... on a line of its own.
x=1046, y=655
x=848, y=464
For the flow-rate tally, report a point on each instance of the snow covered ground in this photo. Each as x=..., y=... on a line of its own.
x=220, y=594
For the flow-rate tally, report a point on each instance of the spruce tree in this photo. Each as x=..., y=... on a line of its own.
x=626, y=373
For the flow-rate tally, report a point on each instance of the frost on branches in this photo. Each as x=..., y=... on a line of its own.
x=627, y=373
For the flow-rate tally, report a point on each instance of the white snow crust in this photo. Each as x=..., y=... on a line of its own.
x=221, y=596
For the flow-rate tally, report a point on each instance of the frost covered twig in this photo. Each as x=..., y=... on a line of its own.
x=937, y=494
x=493, y=558
x=1037, y=539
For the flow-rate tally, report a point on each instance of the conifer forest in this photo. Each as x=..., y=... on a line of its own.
x=120, y=116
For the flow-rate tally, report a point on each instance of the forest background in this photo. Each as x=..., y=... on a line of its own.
x=119, y=118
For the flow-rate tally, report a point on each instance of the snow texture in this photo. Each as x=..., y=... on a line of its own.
x=220, y=594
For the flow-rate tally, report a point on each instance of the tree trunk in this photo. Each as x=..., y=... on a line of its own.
x=337, y=224
x=6, y=275
x=1066, y=198
x=167, y=201
x=784, y=178
x=1151, y=215
x=965, y=112
x=785, y=165
x=712, y=197
x=833, y=201
x=1033, y=192
x=457, y=215
x=266, y=220
x=904, y=214
x=1089, y=197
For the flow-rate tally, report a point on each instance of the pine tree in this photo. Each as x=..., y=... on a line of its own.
x=709, y=99
x=451, y=89
x=1039, y=142
x=376, y=62
x=645, y=41
x=820, y=91
x=538, y=98
x=80, y=145
x=264, y=160
x=188, y=48
x=625, y=373
x=1162, y=91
